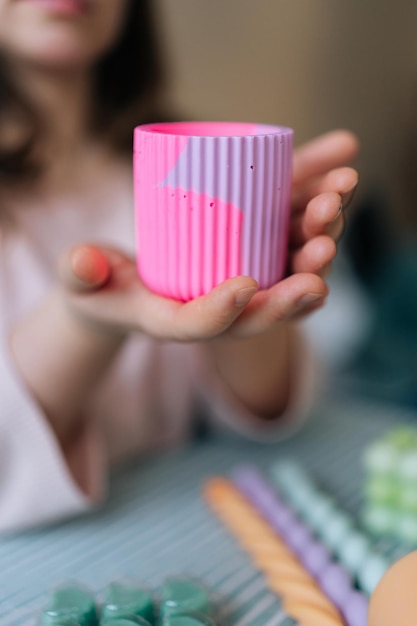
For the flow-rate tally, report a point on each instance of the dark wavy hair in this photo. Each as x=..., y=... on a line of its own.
x=127, y=83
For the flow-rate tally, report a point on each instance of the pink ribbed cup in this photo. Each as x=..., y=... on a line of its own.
x=212, y=201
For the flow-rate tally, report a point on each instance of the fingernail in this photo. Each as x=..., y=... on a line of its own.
x=348, y=197
x=243, y=296
x=89, y=265
x=339, y=211
x=307, y=299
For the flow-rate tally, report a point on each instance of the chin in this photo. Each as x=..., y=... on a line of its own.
x=56, y=50
x=59, y=57
x=62, y=33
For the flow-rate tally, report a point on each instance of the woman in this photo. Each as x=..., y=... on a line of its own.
x=93, y=366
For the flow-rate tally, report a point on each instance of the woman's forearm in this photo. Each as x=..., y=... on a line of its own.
x=61, y=360
x=258, y=371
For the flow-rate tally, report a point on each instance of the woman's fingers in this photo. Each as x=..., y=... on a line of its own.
x=342, y=181
x=104, y=286
x=323, y=215
x=283, y=302
x=203, y=318
x=314, y=256
x=325, y=153
x=336, y=228
x=83, y=268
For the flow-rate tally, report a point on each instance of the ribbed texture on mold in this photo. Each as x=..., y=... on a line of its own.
x=209, y=208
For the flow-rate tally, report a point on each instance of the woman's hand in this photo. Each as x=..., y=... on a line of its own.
x=323, y=186
x=102, y=287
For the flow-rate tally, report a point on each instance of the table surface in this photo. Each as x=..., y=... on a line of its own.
x=155, y=523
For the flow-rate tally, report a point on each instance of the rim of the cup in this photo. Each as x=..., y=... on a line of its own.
x=170, y=128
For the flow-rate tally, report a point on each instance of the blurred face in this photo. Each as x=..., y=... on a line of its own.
x=60, y=33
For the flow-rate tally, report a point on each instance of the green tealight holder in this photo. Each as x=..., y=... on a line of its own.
x=408, y=499
x=131, y=619
x=404, y=438
x=124, y=600
x=70, y=605
x=124, y=621
x=383, y=490
x=66, y=622
x=182, y=595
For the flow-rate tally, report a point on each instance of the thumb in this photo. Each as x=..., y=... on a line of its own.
x=84, y=268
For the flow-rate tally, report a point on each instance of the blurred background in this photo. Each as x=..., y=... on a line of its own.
x=316, y=65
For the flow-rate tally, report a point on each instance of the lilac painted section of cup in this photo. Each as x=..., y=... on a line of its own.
x=212, y=201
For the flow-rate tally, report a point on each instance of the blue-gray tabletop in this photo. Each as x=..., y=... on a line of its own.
x=155, y=523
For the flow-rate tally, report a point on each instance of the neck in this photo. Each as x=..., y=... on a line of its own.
x=63, y=101
x=62, y=98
